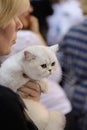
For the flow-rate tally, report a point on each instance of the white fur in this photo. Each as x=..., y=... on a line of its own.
x=29, y=62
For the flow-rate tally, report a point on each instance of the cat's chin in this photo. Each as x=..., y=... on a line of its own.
x=37, y=79
x=40, y=77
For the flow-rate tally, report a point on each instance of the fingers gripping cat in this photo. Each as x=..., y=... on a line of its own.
x=36, y=62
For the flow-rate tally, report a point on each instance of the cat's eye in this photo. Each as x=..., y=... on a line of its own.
x=53, y=64
x=44, y=66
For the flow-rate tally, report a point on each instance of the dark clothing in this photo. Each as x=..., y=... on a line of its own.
x=42, y=8
x=70, y=122
x=12, y=112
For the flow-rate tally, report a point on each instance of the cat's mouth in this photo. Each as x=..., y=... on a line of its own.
x=50, y=72
x=46, y=76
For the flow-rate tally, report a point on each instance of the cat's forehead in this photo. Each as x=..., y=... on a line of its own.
x=46, y=57
x=42, y=53
x=45, y=54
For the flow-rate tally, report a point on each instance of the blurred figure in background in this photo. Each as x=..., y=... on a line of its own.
x=74, y=63
x=66, y=13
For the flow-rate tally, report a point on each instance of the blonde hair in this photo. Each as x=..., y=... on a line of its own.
x=9, y=9
x=84, y=6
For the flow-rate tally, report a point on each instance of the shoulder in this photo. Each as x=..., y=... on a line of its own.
x=27, y=37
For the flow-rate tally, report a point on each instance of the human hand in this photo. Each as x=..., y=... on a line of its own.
x=34, y=27
x=30, y=90
x=34, y=24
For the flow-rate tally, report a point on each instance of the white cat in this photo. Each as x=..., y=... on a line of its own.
x=36, y=62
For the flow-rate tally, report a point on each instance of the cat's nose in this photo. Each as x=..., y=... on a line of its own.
x=49, y=70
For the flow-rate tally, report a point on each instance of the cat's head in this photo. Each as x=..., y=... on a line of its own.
x=40, y=61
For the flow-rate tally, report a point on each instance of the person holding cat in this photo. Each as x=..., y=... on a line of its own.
x=12, y=109
x=30, y=35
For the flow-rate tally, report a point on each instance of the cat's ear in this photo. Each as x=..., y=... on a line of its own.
x=54, y=48
x=29, y=56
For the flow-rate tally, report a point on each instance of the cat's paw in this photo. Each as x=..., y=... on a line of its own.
x=44, y=86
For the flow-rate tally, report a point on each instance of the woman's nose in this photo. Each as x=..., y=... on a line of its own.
x=19, y=24
x=31, y=9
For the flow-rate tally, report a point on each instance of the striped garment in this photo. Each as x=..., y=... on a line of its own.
x=74, y=63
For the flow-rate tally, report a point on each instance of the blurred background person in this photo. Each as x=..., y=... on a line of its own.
x=74, y=63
